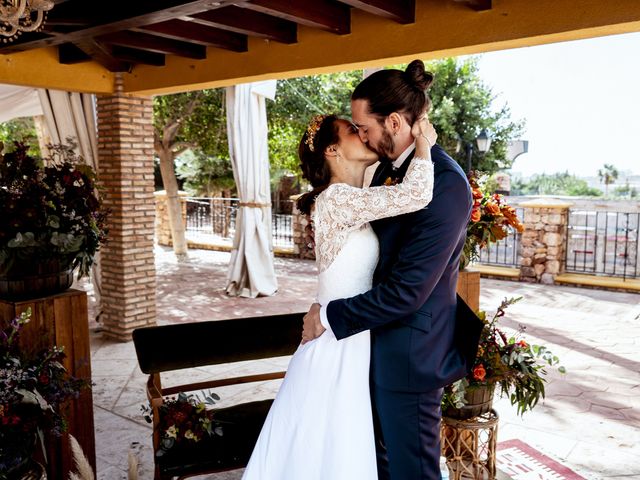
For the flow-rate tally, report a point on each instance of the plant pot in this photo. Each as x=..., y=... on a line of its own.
x=15, y=458
x=479, y=400
x=30, y=278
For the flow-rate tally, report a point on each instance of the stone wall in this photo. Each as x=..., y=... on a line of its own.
x=162, y=225
x=303, y=243
x=543, y=242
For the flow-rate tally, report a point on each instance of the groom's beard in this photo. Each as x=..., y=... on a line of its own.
x=386, y=146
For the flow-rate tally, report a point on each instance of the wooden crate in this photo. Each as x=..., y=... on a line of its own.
x=62, y=320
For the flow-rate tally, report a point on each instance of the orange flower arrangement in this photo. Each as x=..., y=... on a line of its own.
x=509, y=362
x=491, y=220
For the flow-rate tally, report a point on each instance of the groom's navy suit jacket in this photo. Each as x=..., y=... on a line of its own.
x=411, y=308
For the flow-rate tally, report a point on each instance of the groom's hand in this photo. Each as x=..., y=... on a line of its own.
x=312, y=328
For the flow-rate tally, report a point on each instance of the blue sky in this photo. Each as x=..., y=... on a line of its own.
x=580, y=100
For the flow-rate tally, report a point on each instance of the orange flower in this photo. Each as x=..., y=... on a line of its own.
x=475, y=214
x=479, y=373
x=510, y=214
x=498, y=232
x=523, y=344
x=492, y=208
x=477, y=194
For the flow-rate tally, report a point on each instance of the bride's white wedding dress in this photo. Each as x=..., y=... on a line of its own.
x=320, y=426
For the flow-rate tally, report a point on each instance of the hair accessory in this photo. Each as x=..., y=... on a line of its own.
x=312, y=129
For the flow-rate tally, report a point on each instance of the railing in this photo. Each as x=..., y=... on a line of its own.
x=505, y=252
x=214, y=219
x=603, y=243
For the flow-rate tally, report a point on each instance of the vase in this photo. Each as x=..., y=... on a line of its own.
x=478, y=399
x=29, y=278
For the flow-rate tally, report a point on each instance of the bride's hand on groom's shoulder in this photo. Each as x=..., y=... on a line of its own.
x=312, y=327
x=423, y=128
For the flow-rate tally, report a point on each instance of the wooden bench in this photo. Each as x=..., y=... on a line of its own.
x=189, y=345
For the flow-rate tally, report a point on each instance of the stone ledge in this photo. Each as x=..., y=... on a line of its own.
x=496, y=271
x=594, y=281
x=546, y=203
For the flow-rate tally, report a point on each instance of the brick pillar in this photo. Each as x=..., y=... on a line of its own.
x=163, y=228
x=125, y=150
x=544, y=240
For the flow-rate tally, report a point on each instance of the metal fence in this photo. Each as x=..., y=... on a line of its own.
x=603, y=243
x=506, y=252
x=214, y=219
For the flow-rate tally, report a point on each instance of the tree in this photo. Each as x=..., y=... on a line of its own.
x=608, y=175
x=297, y=100
x=555, y=184
x=625, y=191
x=462, y=107
x=21, y=130
x=185, y=121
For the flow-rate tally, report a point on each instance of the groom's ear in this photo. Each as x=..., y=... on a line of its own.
x=394, y=122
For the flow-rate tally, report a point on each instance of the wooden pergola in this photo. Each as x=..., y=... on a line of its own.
x=127, y=51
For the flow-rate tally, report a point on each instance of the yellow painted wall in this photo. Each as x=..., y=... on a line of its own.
x=442, y=28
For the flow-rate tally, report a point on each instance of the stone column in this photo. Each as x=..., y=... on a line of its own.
x=544, y=240
x=163, y=228
x=125, y=153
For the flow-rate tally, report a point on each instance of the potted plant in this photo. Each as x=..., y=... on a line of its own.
x=53, y=221
x=492, y=219
x=34, y=391
x=511, y=363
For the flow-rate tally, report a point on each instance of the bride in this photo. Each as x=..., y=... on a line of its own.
x=320, y=424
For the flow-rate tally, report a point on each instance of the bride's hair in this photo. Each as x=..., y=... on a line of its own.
x=321, y=133
x=389, y=91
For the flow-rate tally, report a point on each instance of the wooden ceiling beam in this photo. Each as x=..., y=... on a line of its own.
x=155, y=44
x=324, y=14
x=401, y=11
x=69, y=54
x=478, y=5
x=96, y=51
x=111, y=17
x=248, y=22
x=196, y=33
x=135, y=56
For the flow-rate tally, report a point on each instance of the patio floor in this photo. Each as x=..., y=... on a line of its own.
x=590, y=420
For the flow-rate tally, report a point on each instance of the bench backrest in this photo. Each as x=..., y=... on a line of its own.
x=185, y=345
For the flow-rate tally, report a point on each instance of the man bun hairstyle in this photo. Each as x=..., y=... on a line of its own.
x=393, y=90
x=321, y=133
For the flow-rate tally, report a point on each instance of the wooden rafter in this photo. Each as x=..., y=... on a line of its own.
x=110, y=18
x=156, y=44
x=135, y=56
x=323, y=14
x=478, y=5
x=196, y=33
x=401, y=11
x=97, y=51
x=248, y=22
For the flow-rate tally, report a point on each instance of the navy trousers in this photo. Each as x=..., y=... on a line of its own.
x=407, y=434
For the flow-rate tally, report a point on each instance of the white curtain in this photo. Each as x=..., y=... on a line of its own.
x=251, y=272
x=18, y=102
x=73, y=115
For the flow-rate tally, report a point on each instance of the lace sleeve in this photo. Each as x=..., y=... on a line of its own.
x=352, y=207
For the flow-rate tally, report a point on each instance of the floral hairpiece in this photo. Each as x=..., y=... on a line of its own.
x=312, y=129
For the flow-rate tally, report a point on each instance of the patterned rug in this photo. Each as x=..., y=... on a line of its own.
x=522, y=462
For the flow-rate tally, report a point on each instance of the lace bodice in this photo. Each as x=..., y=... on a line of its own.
x=342, y=209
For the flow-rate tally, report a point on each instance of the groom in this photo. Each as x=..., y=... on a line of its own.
x=411, y=309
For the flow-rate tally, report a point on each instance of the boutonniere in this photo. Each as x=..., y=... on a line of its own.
x=391, y=181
